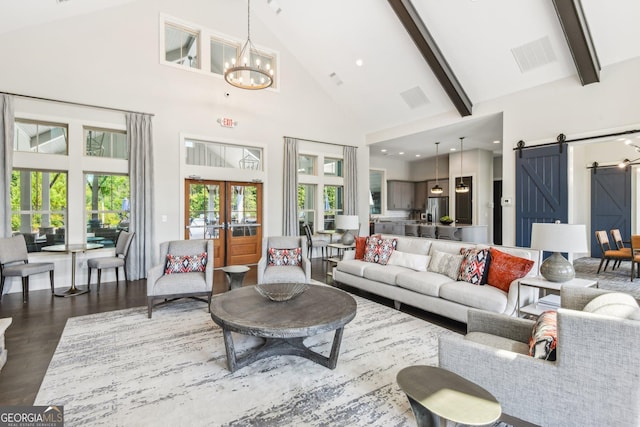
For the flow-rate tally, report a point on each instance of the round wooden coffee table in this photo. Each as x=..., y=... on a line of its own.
x=436, y=394
x=284, y=325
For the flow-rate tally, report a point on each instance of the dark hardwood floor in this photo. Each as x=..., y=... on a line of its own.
x=37, y=325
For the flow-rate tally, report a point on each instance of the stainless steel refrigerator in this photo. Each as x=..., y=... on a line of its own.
x=437, y=207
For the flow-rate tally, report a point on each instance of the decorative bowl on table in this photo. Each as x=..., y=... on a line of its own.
x=281, y=291
x=446, y=220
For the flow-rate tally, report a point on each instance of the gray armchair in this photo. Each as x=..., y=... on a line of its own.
x=283, y=273
x=594, y=380
x=180, y=285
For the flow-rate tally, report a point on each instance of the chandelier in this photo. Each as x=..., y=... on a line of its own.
x=436, y=189
x=461, y=187
x=247, y=71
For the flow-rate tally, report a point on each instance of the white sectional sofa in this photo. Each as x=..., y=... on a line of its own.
x=435, y=292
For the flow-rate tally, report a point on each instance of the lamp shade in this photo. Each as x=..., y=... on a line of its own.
x=559, y=237
x=347, y=222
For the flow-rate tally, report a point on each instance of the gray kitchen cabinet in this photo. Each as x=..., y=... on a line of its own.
x=420, y=199
x=400, y=195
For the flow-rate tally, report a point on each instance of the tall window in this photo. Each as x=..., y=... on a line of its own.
x=39, y=207
x=306, y=205
x=333, y=196
x=106, y=143
x=40, y=137
x=107, y=207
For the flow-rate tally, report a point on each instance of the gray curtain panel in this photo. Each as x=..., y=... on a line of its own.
x=6, y=162
x=140, y=141
x=290, y=199
x=350, y=180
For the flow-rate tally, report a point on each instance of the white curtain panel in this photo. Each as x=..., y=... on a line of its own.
x=290, y=187
x=140, y=141
x=6, y=162
x=350, y=180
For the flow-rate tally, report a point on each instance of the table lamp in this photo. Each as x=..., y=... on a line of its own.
x=346, y=223
x=557, y=238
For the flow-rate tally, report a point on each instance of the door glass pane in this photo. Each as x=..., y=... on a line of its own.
x=244, y=209
x=204, y=211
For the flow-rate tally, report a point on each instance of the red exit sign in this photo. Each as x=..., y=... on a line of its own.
x=227, y=122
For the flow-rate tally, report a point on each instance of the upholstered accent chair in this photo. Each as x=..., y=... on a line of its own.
x=593, y=381
x=279, y=264
x=166, y=282
x=635, y=257
x=119, y=260
x=609, y=254
x=14, y=262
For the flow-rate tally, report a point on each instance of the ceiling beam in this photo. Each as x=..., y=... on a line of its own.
x=576, y=31
x=429, y=49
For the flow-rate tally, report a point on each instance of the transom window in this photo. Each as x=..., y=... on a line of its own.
x=181, y=45
x=222, y=52
x=307, y=164
x=213, y=154
x=333, y=167
x=106, y=143
x=40, y=137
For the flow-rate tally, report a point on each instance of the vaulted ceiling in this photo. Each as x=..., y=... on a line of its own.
x=492, y=47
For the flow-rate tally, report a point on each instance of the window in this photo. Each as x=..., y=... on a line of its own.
x=106, y=143
x=376, y=179
x=222, y=53
x=333, y=196
x=333, y=167
x=39, y=207
x=306, y=205
x=306, y=165
x=107, y=207
x=40, y=137
x=202, y=153
x=181, y=46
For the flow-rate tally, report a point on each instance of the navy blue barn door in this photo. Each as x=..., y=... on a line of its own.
x=610, y=203
x=541, y=189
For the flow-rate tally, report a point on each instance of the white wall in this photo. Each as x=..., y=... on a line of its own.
x=112, y=58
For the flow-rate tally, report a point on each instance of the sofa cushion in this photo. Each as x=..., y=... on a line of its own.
x=504, y=268
x=423, y=282
x=378, y=250
x=474, y=266
x=353, y=266
x=445, y=263
x=383, y=273
x=414, y=246
x=406, y=259
x=482, y=297
x=284, y=274
x=544, y=337
x=614, y=304
x=498, y=342
x=185, y=263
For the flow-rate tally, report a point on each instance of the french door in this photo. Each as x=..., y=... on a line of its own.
x=230, y=214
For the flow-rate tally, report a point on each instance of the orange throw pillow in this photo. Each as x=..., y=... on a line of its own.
x=505, y=268
x=360, y=246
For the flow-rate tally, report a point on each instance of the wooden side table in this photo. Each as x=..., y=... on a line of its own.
x=235, y=275
x=436, y=395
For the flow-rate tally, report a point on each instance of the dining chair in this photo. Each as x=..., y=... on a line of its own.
x=609, y=254
x=635, y=255
x=119, y=260
x=14, y=262
x=314, y=241
x=616, y=236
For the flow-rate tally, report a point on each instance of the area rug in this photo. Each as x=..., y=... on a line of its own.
x=618, y=280
x=122, y=369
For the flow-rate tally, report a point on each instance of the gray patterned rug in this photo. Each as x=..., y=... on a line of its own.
x=122, y=369
x=618, y=280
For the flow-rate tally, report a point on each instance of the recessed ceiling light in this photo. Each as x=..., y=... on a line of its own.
x=496, y=142
x=417, y=155
x=401, y=153
x=359, y=62
x=384, y=150
x=452, y=149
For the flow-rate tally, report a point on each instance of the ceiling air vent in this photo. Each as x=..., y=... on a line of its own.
x=414, y=97
x=534, y=54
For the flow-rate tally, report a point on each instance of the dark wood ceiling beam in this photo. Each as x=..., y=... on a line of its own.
x=576, y=31
x=429, y=49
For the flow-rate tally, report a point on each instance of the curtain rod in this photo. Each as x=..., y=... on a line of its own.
x=321, y=142
x=79, y=104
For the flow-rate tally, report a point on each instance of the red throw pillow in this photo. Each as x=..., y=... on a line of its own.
x=185, y=263
x=360, y=245
x=505, y=268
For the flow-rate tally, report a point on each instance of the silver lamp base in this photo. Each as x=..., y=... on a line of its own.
x=556, y=268
x=348, y=238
